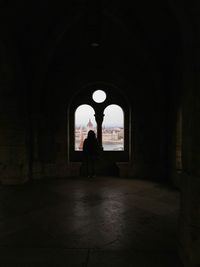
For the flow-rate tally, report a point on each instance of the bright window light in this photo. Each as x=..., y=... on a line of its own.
x=99, y=96
x=113, y=128
x=84, y=121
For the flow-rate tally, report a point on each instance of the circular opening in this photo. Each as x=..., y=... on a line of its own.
x=99, y=96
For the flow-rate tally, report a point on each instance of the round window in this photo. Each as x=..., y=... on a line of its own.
x=99, y=96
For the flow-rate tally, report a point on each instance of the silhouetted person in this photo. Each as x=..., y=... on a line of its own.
x=91, y=149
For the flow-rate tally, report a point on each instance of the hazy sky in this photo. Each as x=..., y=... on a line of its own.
x=113, y=116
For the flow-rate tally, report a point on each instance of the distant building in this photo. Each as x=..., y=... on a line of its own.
x=90, y=125
x=112, y=137
x=81, y=139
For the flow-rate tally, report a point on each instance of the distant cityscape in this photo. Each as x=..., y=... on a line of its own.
x=112, y=137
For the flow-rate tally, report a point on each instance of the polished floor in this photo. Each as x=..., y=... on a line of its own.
x=105, y=221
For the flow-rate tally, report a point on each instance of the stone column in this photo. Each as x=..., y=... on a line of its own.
x=189, y=220
x=99, y=120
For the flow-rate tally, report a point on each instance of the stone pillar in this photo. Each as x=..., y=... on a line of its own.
x=190, y=182
x=99, y=119
x=37, y=166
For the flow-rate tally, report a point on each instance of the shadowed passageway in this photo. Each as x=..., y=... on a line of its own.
x=128, y=70
x=83, y=222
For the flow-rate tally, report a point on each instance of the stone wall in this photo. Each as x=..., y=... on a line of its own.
x=14, y=166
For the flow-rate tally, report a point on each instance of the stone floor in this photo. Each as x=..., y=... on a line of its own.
x=106, y=221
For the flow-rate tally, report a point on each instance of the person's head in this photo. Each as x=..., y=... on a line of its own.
x=91, y=134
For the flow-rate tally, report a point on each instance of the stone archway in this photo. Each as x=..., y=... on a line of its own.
x=114, y=98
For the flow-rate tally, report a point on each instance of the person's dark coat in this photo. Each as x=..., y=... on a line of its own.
x=91, y=151
x=91, y=146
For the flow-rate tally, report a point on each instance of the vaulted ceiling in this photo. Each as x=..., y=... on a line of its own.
x=140, y=36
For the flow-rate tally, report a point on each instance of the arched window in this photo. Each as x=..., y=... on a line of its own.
x=113, y=128
x=105, y=109
x=84, y=121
